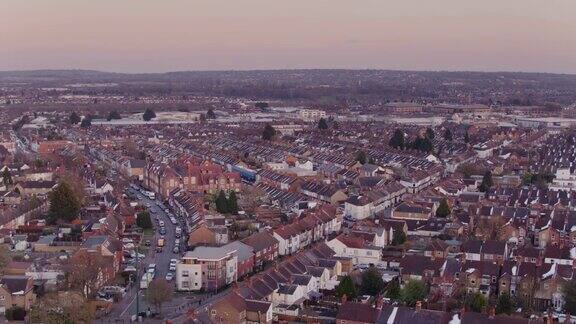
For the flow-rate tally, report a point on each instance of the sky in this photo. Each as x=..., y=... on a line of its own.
x=176, y=35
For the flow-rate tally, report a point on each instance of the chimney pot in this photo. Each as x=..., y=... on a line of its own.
x=418, y=306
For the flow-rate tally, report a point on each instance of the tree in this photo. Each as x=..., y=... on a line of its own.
x=487, y=182
x=149, y=114
x=4, y=257
x=232, y=203
x=393, y=290
x=569, y=294
x=268, y=133
x=448, y=134
x=221, y=202
x=397, y=140
x=77, y=184
x=62, y=307
x=372, y=283
x=399, y=237
x=505, y=304
x=347, y=287
x=476, y=302
x=423, y=144
x=143, y=220
x=443, y=210
x=361, y=157
x=86, y=122
x=6, y=177
x=210, y=114
x=430, y=133
x=251, y=198
x=113, y=115
x=64, y=204
x=322, y=124
x=74, y=118
x=413, y=291
x=84, y=272
x=158, y=293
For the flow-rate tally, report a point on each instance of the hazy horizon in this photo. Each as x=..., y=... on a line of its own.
x=150, y=36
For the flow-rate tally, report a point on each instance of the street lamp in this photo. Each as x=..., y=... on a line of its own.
x=136, y=281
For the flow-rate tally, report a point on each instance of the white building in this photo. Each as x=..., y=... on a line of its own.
x=208, y=268
x=355, y=248
x=564, y=180
x=311, y=114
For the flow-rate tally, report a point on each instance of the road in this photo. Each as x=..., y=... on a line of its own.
x=127, y=306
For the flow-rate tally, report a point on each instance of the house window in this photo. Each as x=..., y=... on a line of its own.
x=185, y=273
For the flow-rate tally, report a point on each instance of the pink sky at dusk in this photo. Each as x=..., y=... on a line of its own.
x=171, y=35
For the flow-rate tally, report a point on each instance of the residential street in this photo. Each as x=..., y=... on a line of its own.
x=127, y=306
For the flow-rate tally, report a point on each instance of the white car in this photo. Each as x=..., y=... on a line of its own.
x=169, y=276
x=172, y=267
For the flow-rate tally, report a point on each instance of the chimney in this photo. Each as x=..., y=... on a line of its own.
x=492, y=312
x=418, y=306
x=379, y=303
x=344, y=299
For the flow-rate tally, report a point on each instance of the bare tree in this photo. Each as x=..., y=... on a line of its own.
x=62, y=307
x=528, y=287
x=77, y=184
x=251, y=198
x=4, y=257
x=86, y=272
x=158, y=293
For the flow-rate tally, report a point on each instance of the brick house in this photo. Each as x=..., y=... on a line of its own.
x=16, y=290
